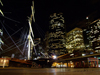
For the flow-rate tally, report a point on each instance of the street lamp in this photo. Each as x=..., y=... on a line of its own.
x=54, y=56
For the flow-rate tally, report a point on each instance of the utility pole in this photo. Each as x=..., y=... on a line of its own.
x=31, y=35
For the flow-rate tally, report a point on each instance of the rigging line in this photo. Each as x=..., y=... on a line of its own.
x=13, y=48
x=37, y=44
x=35, y=50
x=10, y=49
x=11, y=42
x=6, y=45
x=9, y=19
x=26, y=41
x=42, y=32
x=43, y=54
x=39, y=32
x=40, y=28
x=10, y=36
x=1, y=49
x=14, y=33
x=24, y=46
x=41, y=21
x=24, y=35
x=8, y=26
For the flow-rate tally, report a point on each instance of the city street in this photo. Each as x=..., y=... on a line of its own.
x=50, y=71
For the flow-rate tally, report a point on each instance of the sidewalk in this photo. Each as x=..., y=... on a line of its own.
x=14, y=68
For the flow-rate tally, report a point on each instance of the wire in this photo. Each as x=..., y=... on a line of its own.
x=24, y=46
x=40, y=32
x=12, y=48
x=8, y=26
x=35, y=50
x=10, y=42
x=10, y=37
x=10, y=19
x=24, y=35
x=40, y=28
x=12, y=45
x=14, y=33
x=6, y=45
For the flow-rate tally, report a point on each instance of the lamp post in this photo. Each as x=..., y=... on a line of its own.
x=54, y=56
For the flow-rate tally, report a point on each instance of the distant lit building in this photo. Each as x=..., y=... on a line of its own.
x=46, y=44
x=46, y=41
x=4, y=61
x=75, y=40
x=93, y=35
x=57, y=34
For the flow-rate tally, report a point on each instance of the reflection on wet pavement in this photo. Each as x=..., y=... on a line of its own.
x=50, y=71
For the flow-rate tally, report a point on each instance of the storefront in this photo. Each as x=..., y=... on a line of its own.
x=4, y=62
x=93, y=62
x=59, y=65
x=86, y=63
x=70, y=64
x=98, y=61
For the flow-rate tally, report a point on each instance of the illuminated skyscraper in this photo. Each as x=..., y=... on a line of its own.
x=93, y=35
x=75, y=40
x=57, y=34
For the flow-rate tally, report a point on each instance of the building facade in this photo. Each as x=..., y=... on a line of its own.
x=93, y=35
x=75, y=40
x=46, y=42
x=57, y=34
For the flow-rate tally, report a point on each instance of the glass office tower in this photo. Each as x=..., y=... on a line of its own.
x=57, y=34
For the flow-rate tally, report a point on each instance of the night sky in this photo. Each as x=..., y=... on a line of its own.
x=75, y=11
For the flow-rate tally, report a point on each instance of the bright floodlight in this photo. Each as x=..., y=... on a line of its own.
x=87, y=17
x=54, y=56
